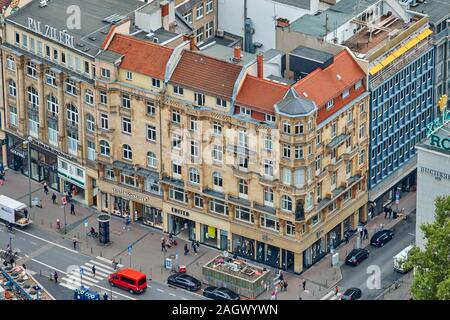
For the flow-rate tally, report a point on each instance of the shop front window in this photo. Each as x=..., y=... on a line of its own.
x=243, y=246
x=153, y=217
x=209, y=235
x=121, y=206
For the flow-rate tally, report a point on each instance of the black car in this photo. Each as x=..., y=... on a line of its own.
x=380, y=238
x=221, y=293
x=356, y=256
x=184, y=281
x=351, y=294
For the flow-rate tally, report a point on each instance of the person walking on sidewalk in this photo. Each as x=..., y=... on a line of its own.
x=74, y=243
x=93, y=270
x=186, y=249
x=45, y=188
x=366, y=233
x=285, y=285
x=163, y=244
x=346, y=238
x=72, y=208
x=336, y=290
x=55, y=276
x=304, y=284
x=54, y=198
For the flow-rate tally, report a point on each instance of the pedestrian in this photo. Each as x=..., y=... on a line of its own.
x=280, y=276
x=163, y=245
x=54, y=198
x=72, y=208
x=74, y=243
x=105, y=296
x=45, y=188
x=336, y=290
x=285, y=285
x=25, y=213
x=304, y=284
x=366, y=233
x=186, y=249
x=55, y=276
x=93, y=270
x=346, y=238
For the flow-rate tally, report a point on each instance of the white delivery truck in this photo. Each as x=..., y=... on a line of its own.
x=400, y=258
x=12, y=211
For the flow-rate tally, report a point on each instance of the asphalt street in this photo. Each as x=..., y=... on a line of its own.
x=381, y=257
x=44, y=252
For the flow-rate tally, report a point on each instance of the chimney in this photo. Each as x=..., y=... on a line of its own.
x=237, y=54
x=260, y=65
x=192, y=45
x=164, y=5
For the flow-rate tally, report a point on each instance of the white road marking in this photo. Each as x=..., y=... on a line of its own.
x=108, y=261
x=183, y=298
x=98, y=271
x=85, y=278
x=70, y=287
x=33, y=243
x=47, y=241
x=160, y=290
x=173, y=295
x=100, y=287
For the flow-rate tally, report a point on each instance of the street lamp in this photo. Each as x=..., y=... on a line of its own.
x=28, y=143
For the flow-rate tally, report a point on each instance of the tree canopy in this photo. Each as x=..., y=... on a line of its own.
x=432, y=265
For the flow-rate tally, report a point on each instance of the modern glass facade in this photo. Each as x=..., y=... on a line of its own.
x=401, y=107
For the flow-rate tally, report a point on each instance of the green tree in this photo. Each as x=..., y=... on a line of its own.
x=432, y=265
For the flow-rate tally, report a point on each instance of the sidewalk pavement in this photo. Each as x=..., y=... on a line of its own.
x=401, y=293
x=146, y=242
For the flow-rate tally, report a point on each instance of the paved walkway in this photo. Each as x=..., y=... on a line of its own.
x=403, y=292
x=146, y=242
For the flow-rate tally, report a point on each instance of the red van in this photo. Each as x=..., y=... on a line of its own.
x=129, y=279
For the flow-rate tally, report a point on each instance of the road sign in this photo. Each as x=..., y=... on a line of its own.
x=63, y=201
x=86, y=222
x=130, y=248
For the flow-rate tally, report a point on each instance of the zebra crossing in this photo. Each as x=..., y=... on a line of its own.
x=75, y=279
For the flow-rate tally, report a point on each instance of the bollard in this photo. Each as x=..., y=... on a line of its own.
x=101, y=253
x=140, y=268
x=40, y=272
x=120, y=260
x=91, y=250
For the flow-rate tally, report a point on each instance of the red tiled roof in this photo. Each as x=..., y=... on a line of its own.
x=323, y=85
x=206, y=74
x=141, y=56
x=260, y=94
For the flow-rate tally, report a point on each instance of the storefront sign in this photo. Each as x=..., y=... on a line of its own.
x=71, y=172
x=180, y=212
x=50, y=32
x=18, y=153
x=439, y=175
x=52, y=150
x=130, y=195
x=436, y=140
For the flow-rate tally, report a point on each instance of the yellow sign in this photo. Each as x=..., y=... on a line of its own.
x=442, y=103
x=211, y=232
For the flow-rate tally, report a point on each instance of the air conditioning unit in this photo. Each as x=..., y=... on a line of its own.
x=220, y=33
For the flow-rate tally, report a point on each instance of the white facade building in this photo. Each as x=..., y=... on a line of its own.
x=433, y=177
x=262, y=15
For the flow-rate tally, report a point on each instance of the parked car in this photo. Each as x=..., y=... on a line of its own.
x=129, y=279
x=356, y=256
x=380, y=238
x=184, y=281
x=221, y=293
x=351, y=294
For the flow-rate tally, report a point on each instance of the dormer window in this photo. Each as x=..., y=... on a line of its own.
x=221, y=103
x=200, y=99
x=129, y=75
x=345, y=94
x=245, y=112
x=156, y=83
x=358, y=85
x=330, y=104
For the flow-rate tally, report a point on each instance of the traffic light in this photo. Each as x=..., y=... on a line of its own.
x=442, y=103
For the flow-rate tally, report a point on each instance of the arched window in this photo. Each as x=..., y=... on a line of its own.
x=33, y=96
x=90, y=122
x=151, y=159
x=52, y=104
x=127, y=153
x=217, y=179
x=104, y=148
x=194, y=176
x=286, y=203
x=12, y=89
x=72, y=113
